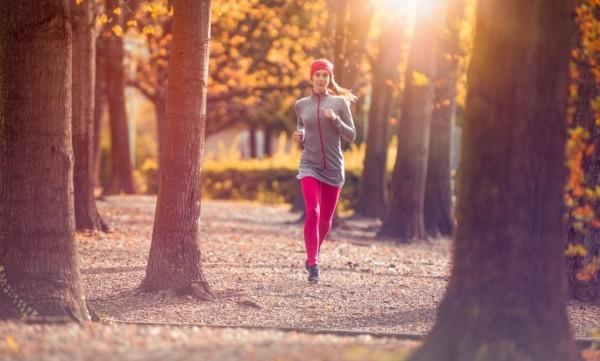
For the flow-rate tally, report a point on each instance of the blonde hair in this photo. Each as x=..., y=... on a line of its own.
x=343, y=92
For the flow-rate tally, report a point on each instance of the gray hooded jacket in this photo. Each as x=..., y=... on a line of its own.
x=322, y=156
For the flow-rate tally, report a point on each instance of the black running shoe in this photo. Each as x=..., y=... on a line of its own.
x=306, y=265
x=313, y=273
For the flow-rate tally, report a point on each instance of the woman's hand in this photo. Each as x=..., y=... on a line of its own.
x=329, y=115
x=297, y=136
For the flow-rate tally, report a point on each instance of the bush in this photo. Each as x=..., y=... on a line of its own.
x=269, y=180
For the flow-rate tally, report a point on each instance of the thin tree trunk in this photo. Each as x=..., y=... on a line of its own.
x=39, y=274
x=404, y=219
x=175, y=261
x=99, y=104
x=340, y=40
x=438, y=195
x=86, y=213
x=357, y=33
x=252, y=141
x=359, y=19
x=506, y=298
x=372, y=192
x=122, y=172
x=329, y=30
x=268, y=147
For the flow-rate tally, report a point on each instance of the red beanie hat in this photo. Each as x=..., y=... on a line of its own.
x=320, y=64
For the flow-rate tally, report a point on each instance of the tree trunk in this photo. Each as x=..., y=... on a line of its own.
x=175, y=262
x=588, y=90
x=404, y=219
x=328, y=34
x=438, y=195
x=99, y=104
x=252, y=141
x=359, y=19
x=121, y=167
x=39, y=274
x=372, y=191
x=268, y=146
x=86, y=213
x=340, y=40
x=506, y=296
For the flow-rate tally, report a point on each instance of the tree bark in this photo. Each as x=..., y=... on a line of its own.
x=39, y=275
x=160, y=106
x=175, y=261
x=506, y=297
x=438, y=194
x=404, y=219
x=86, y=213
x=372, y=191
x=121, y=167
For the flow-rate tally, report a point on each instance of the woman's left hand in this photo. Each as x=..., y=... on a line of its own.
x=329, y=114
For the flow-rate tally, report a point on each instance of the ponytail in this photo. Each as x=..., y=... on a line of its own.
x=343, y=92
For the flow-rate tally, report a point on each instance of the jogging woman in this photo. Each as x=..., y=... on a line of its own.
x=324, y=118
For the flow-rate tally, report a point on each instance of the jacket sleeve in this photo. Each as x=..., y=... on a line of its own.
x=299, y=121
x=344, y=123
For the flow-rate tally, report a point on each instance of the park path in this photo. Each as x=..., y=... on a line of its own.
x=253, y=258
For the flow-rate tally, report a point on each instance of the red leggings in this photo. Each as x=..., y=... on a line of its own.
x=320, y=200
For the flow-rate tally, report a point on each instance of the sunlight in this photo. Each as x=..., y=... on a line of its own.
x=400, y=6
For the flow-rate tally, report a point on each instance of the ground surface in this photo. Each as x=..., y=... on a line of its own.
x=253, y=258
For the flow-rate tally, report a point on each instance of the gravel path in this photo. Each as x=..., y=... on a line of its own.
x=253, y=258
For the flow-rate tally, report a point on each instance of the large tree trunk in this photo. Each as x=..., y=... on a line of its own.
x=584, y=117
x=438, y=195
x=372, y=191
x=174, y=262
x=86, y=213
x=506, y=295
x=38, y=254
x=122, y=173
x=404, y=219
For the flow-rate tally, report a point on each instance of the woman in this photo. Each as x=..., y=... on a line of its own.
x=323, y=119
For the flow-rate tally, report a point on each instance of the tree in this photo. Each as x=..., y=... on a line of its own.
x=174, y=262
x=121, y=167
x=99, y=104
x=39, y=274
x=506, y=296
x=404, y=218
x=438, y=195
x=84, y=46
x=372, y=191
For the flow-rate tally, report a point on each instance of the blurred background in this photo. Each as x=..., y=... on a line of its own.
x=260, y=56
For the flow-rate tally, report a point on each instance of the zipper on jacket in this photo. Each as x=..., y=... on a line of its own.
x=319, y=124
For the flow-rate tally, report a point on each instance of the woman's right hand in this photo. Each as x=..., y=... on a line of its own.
x=297, y=136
